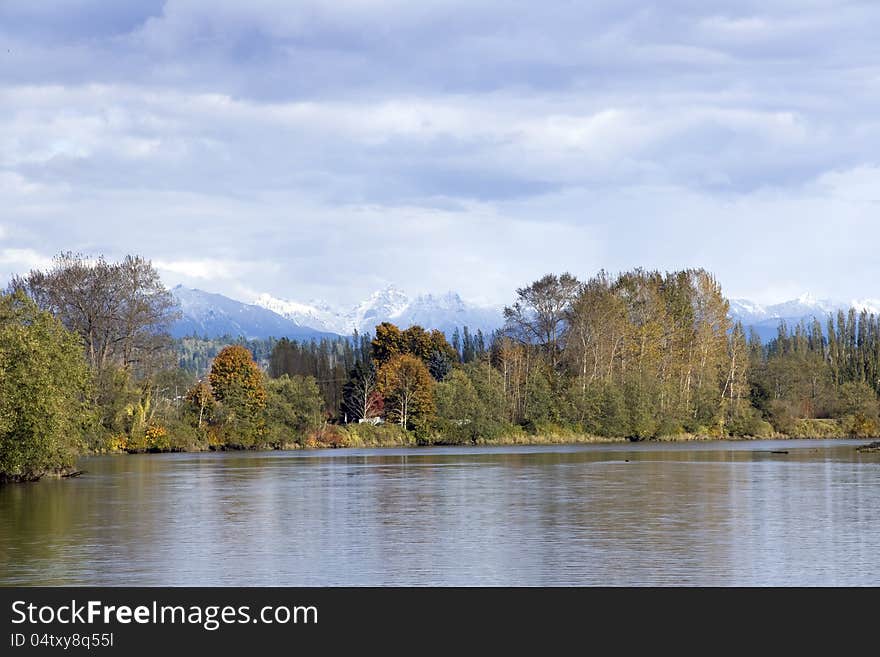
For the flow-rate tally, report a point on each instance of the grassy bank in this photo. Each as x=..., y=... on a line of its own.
x=364, y=436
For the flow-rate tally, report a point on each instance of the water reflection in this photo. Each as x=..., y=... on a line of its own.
x=706, y=514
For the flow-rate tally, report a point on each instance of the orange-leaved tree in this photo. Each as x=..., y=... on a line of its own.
x=408, y=389
x=237, y=383
x=387, y=344
x=236, y=378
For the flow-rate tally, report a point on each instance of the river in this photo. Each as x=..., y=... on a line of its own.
x=714, y=513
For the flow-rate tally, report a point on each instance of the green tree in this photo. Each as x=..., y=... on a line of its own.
x=121, y=311
x=439, y=365
x=470, y=405
x=293, y=409
x=641, y=413
x=613, y=420
x=858, y=409
x=43, y=388
x=540, y=401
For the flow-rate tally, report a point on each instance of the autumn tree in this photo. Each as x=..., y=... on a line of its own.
x=408, y=390
x=120, y=310
x=596, y=321
x=388, y=343
x=417, y=342
x=236, y=379
x=431, y=347
x=43, y=385
x=735, y=391
x=515, y=363
x=237, y=384
x=201, y=401
x=538, y=315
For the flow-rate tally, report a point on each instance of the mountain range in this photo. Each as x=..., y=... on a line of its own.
x=765, y=319
x=444, y=312
x=213, y=315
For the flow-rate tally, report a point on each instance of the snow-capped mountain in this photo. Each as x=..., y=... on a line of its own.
x=804, y=306
x=386, y=305
x=443, y=312
x=871, y=306
x=315, y=314
x=765, y=319
x=747, y=311
x=214, y=315
x=449, y=311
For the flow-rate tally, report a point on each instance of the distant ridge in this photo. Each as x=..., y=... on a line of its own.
x=765, y=319
x=214, y=315
x=445, y=312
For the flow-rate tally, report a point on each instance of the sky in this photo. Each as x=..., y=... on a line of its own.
x=326, y=149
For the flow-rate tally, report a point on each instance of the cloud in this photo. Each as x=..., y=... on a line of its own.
x=401, y=150
x=15, y=261
x=209, y=270
x=323, y=149
x=860, y=185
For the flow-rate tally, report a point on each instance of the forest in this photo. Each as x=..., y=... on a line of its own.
x=87, y=366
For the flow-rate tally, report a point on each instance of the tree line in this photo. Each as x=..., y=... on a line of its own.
x=87, y=364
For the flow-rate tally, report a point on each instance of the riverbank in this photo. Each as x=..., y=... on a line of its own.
x=393, y=437
x=30, y=477
x=360, y=437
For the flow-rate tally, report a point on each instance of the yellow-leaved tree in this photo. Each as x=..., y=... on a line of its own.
x=408, y=389
x=237, y=385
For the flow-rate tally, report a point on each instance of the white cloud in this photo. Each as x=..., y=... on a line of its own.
x=206, y=270
x=861, y=184
x=401, y=147
x=20, y=261
x=324, y=149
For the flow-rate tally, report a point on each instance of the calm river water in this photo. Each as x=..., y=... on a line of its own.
x=688, y=513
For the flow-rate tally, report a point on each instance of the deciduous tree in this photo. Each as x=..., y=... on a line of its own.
x=361, y=400
x=388, y=343
x=408, y=390
x=538, y=315
x=237, y=380
x=121, y=310
x=43, y=385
